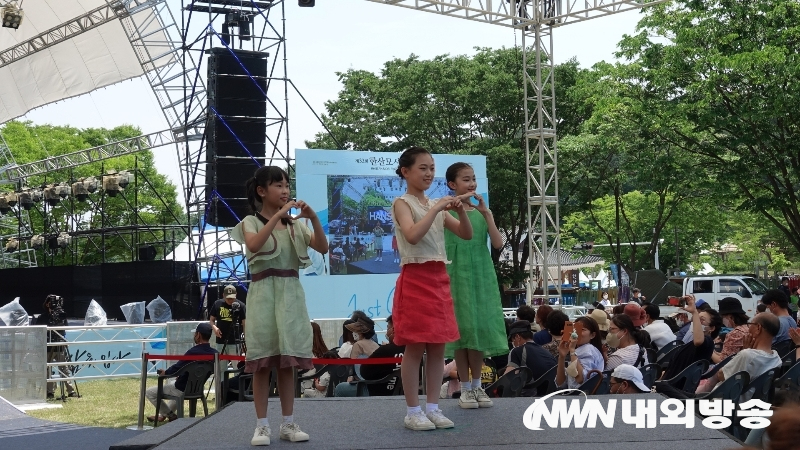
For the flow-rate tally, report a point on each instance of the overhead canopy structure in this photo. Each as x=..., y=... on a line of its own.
x=54, y=55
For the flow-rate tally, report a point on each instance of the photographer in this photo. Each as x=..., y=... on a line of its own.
x=54, y=316
x=227, y=319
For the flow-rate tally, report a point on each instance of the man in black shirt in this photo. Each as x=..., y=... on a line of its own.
x=225, y=316
x=379, y=371
x=527, y=353
x=202, y=334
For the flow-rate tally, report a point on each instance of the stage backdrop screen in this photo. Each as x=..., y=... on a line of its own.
x=352, y=193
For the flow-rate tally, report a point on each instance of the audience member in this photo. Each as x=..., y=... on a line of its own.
x=706, y=327
x=618, y=309
x=602, y=320
x=629, y=341
x=604, y=299
x=683, y=323
x=363, y=330
x=380, y=371
x=757, y=357
x=637, y=298
x=542, y=336
x=555, y=326
x=166, y=411
x=526, y=312
x=701, y=306
x=319, y=386
x=346, y=341
x=660, y=333
x=626, y=379
x=587, y=354
x=760, y=308
x=733, y=316
x=778, y=304
x=783, y=432
x=527, y=353
x=318, y=349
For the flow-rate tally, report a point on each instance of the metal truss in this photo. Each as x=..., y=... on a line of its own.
x=12, y=225
x=14, y=173
x=112, y=10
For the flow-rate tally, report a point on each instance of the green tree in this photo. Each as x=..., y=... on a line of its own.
x=149, y=200
x=725, y=76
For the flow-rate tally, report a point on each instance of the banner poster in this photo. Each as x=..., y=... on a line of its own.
x=352, y=194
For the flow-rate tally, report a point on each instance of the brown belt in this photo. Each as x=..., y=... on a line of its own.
x=283, y=273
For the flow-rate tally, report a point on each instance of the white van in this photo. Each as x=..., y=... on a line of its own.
x=713, y=288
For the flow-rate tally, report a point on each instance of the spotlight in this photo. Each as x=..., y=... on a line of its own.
x=306, y=3
x=12, y=199
x=91, y=184
x=62, y=189
x=12, y=245
x=37, y=241
x=12, y=15
x=28, y=197
x=51, y=195
x=124, y=178
x=63, y=239
x=4, y=206
x=111, y=184
x=80, y=190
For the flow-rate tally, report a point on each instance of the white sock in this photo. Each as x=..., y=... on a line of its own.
x=288, y=419
x=413, y=410
x=262, y=422
x=466, y=386
x=431, y=406
x=476, y=383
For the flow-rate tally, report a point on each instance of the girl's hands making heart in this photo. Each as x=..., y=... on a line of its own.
x=448, y=202
x=305, y=210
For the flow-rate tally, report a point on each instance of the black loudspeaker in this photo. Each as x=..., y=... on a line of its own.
x=147, y=253
x=236, y=130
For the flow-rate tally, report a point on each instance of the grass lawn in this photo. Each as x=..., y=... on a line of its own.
x=107, y=403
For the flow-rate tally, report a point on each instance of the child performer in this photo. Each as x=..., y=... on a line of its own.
x=280, y=335
x=476, y=295
x=423, y=309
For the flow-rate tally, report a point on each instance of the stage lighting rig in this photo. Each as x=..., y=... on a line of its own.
x=51, y=194
x=83, y=187
x=63, y=240
x=12, y=245
x=6, y=203
x=27, y=197
x=11, y=15
x=111, y=183
x=37, y=241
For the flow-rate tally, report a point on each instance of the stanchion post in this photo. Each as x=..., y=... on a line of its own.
x=217, y=383
x=142, y=388
x=424, y=374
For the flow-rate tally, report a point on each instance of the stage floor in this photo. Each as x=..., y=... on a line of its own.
x=377, y=422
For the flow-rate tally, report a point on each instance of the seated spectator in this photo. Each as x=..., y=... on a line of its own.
x=318, y=349
x=778, y=304
x=319, y=386
x=629, y=341
x=452, y=386
x=202, y=334
x=602, y=320
x=526, y=312
x=733, y=316
x=757, y=357
x=706, y=327
x=760, y=308
x=542, y=336
x=363, y=330
x=587, y=355
x=527, y=353
x=618, y=309
x=700, y=306
x=346, y=341
x=380, y=371
x=359, y=314
x=555, y=326
x=660, y=333
x=627, y=379
x=682, y=324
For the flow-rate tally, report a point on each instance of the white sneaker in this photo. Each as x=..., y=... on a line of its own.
x=261, y=436
x=483, y=400
x=292, y=432
x=418, y=422
x=439, y=419
x=468, y=400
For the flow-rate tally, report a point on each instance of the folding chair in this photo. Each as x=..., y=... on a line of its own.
x=592, y=385
x=666, y=349
x=362, y=389
x=545, y=384
x=510, y=384
x=198, y=372
x=688, y=380
x=650, y=374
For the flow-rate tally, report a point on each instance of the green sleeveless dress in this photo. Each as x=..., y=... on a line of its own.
x=476, y=294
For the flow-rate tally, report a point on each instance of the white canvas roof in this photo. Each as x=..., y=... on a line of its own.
x=97, y=58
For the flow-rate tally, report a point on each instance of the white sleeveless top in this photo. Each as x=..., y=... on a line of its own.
x=431, y=246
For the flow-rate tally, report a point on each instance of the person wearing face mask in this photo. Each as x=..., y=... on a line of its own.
x=700, y=305
x=637, y=298
x=629, y=341
x=166, y=411
x=733, y=316
x=527, y=353
x=627, y=379
x=706, y=326
x=363, y=330
x=683, y=323
x=604, y=301
x=586, y=352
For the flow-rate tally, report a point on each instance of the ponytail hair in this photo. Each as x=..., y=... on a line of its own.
x=625, y=323
x=263, y=177
x=408, y=158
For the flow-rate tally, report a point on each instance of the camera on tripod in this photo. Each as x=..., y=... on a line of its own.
x=55, y=303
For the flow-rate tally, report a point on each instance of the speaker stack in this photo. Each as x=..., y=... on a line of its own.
x=236, y=133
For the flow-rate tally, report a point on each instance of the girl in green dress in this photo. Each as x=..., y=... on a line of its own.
x=278, y=332
x=476, y=294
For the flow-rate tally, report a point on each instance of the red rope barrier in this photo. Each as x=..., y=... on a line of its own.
x=330, y=361
x=180, y=357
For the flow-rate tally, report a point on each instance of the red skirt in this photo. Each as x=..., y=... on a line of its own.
x=422, y=311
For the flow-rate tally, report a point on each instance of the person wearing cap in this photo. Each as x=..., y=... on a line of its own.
x=221, y=318
x=700, y=305
x=601, y=318
x=363, y=330
x=527, y=353
x=660, y=333
x=733, y=316
x=626, y=379
x=706, y=326
x=637, y=298
x=166, y=411
x=778, y=303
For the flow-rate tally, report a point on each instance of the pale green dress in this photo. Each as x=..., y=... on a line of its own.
x=278, y=330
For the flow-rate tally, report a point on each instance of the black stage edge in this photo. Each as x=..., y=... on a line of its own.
x=377, y=422
x=110, y=284
x=156, y=436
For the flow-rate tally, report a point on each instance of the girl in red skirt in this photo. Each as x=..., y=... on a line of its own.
x=423, y=308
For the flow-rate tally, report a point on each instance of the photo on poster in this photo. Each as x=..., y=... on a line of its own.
x=360, y=229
